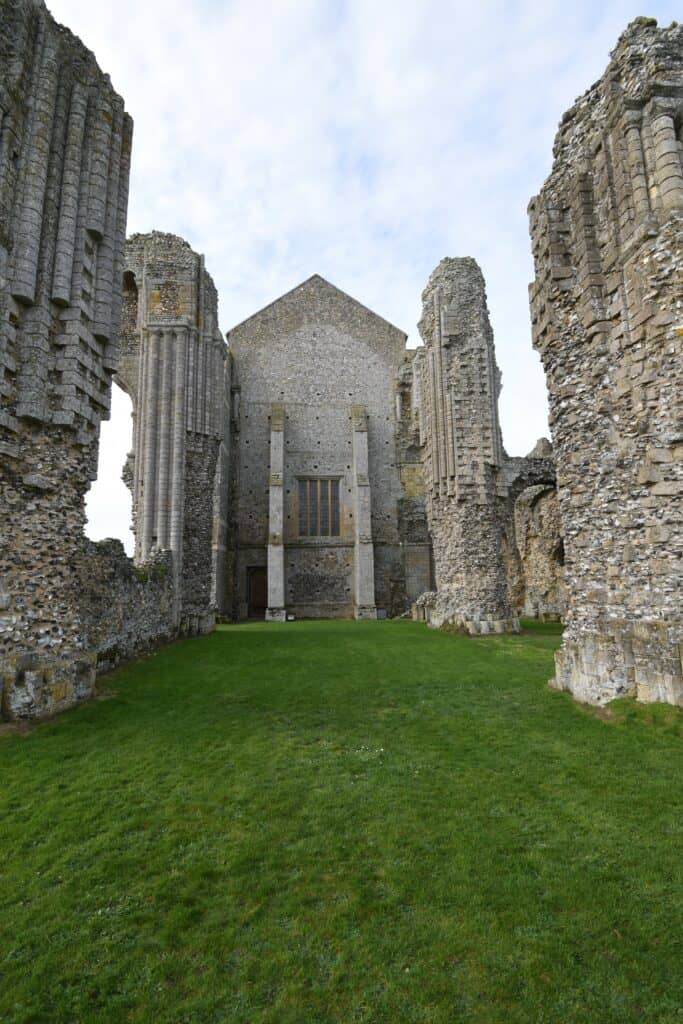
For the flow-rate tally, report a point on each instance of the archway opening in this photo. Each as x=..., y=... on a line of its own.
x=108, y=503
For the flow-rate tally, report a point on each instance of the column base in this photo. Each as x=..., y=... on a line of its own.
x=619, y=659
x=276, y=614
x=365, y=611
x=34, y=686
x=490, y=627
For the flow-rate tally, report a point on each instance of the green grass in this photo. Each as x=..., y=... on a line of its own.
x=340, y=822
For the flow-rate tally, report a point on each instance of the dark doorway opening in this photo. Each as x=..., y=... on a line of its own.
x=257, y=591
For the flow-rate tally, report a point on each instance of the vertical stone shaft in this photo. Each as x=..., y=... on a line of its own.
x=364, y=552
x=168, y=347
x=66, y=231
x=638, y=174
x=276, y=551
x=669, y=173
x=178, y=452
x=149, y=444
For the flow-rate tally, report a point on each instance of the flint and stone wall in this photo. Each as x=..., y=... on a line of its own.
x=314, y=395
x=65, y=144
x=607, y=311
x=471, y=483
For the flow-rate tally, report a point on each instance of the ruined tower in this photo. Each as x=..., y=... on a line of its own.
x=607, y=310
x=65, y=145
x=173, y=367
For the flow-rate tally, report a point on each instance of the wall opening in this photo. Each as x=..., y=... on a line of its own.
x=108, y=503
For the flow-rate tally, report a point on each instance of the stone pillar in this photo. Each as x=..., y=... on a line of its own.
x=463, y=452
x=364, y=554
x=668, y=171
x=641, y=196
x=276, y=611
x=148, y=442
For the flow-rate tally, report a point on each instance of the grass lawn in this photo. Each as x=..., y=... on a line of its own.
x=340, y=822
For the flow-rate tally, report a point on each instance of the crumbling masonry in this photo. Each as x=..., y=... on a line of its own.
x=64, y=161
x=471, y=483
x=607, y=310
x=69, y=607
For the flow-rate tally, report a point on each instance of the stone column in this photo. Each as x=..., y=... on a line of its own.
x=148, y=443
x=177, y=482
x=275, y=611
x=164, y=428
x=364, y=561
x=668, y=171
x=636, y=163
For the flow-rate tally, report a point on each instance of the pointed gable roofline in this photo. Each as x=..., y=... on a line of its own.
x=327, y=284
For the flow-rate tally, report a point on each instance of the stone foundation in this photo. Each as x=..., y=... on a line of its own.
x=623, y=659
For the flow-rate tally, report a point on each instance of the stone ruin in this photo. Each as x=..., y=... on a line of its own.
x=607, y=311
x=471, y=484
x=409, y=484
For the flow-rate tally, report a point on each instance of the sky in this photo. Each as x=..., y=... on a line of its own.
x=363, y=140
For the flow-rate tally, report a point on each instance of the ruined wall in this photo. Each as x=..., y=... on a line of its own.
x=64, y=164
x=471, y=484
x=607, y=311
x=538, y=540
x=173, y=367
x=321, y=354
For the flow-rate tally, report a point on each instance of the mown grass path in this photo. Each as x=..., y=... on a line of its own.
x=339, y=822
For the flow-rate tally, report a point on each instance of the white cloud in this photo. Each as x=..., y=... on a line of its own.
x=362, y=141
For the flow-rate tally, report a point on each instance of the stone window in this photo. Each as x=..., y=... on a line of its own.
x=319, y=507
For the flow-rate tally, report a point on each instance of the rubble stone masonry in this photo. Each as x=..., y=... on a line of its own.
x=607, y=310
x=65, y=144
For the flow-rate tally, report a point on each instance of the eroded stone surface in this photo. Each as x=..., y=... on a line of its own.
x=607, y=310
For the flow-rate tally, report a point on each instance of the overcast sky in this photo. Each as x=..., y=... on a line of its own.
x=359, y=139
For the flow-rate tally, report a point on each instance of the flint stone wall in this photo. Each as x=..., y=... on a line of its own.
x=319, y=354
x=538, y=539
x=607, y=311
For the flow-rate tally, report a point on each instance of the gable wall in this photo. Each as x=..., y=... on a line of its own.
x=319, y=353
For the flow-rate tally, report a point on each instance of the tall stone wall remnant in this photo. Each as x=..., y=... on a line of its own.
x=65, y=144
x=607, y=311
x=173, y=367
x=471, y=483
